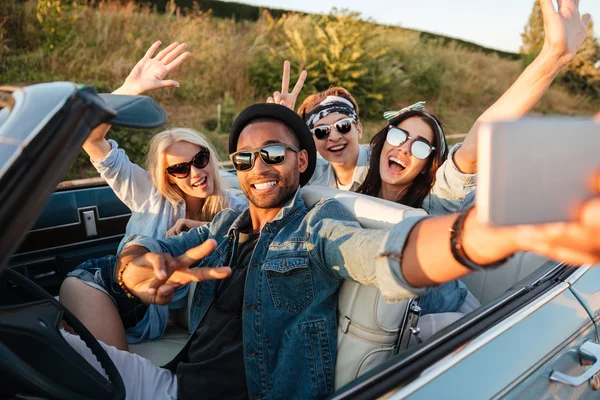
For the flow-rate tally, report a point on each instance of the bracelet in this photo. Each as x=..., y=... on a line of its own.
x=122, y=283
x=457, y=248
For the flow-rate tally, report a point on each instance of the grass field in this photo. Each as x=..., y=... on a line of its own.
x=237, y=63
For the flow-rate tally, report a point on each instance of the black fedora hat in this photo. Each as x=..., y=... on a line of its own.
x=287, y=117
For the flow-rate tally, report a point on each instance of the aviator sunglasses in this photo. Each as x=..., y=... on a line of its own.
x=182, y=170
x=271, y=154
x=419, y=148
x=343, y=126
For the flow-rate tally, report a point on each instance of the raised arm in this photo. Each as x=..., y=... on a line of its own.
x=565, y=31
x=147, y=75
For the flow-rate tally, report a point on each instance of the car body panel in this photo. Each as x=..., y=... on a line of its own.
x=566, y=360
x=62, y=206
x=587, y=289
x=584, y=285
x=48, y=99
x=506, y=353
x=9, y=152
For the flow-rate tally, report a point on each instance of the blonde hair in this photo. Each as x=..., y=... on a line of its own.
x=156, y=165
x=312, y=101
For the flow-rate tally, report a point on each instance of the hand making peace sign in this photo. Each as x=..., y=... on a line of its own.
x=154, y=277
x=284, y=97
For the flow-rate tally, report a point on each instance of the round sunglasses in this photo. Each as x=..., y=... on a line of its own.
x=343, y=126
x=271, y=154
x=419, y=148
x=182, y=170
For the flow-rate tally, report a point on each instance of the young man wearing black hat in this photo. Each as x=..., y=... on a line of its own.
x=269, y=329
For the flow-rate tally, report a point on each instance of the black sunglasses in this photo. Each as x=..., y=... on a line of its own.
x=271, y=154
x=182, y=170
x=419, y=148
x=343, y=126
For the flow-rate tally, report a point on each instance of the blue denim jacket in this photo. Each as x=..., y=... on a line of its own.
x=289, y=312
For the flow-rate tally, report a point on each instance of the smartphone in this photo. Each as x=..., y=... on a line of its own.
x=535, y=170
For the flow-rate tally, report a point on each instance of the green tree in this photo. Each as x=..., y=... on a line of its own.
x=533, y=35
x=56, y=19
x=582, y=75
x=338, y=49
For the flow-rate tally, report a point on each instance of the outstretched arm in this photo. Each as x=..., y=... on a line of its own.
x=565, y=31
x=427, y=259
x=147, y=75
x=416, y=252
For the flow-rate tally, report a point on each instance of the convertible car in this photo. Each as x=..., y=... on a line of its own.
x=535, y=334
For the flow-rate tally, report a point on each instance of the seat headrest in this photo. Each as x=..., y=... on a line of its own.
x=229, y=180
x=371, y=212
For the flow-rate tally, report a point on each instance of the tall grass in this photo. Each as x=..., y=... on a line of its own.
x=237, y=63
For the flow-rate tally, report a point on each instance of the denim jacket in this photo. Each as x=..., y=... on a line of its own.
x=451, y=189
x=449, y=194
x=289, y=311
x=324, y=174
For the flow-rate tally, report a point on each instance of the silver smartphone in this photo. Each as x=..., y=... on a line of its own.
x=535, y=170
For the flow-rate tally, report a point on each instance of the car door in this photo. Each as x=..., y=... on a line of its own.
x=576, y=358
x=507, y=349
x=42, y=128
x=79, y=222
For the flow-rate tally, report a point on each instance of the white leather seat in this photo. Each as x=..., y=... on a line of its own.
x=162, y=351
x=368, y=327
x=488, y=285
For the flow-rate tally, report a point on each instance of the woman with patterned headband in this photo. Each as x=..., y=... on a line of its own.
x=332, y=116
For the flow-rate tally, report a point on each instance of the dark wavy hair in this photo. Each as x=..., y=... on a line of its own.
x=415, y=194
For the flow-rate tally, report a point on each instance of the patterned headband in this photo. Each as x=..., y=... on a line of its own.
x=331, y=105
x=419, y=106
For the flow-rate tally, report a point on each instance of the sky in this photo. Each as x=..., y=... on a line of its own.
x=493, y=23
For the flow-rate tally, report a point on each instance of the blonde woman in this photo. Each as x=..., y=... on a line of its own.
x=180, y=189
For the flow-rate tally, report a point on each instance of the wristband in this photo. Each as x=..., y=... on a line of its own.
x=122, y=283
x=457, y=248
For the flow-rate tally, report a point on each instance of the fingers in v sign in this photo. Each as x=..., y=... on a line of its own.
x=173, y=272
x=285, y=98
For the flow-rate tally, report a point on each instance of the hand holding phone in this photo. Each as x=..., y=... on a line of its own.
x=536, y=170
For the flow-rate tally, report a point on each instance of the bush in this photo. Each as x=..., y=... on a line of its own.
x=338, y=49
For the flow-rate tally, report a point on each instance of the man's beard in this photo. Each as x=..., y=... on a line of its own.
x=284, y=190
